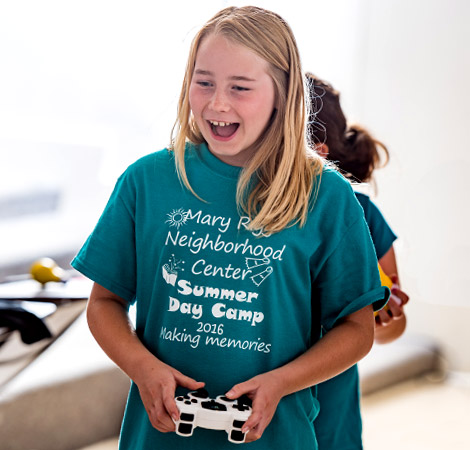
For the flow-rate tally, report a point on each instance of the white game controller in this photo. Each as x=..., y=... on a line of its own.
x=198, y=410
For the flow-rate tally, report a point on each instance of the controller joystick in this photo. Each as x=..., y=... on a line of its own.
x=198, y=410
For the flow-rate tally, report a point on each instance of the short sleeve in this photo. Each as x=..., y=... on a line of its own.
x=108, y=257
x=349, y=280
x=382, y=235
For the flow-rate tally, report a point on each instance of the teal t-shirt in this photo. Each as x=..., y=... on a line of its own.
x=380, y=231
x=339, y=424
x=221, y=303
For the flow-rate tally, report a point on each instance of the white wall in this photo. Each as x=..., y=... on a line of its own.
x=416, y=98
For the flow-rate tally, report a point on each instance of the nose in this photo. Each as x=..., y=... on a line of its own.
x=219, y=101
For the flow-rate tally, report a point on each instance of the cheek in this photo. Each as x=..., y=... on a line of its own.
x=194, y=100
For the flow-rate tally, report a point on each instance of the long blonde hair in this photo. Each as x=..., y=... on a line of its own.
x=283, y=167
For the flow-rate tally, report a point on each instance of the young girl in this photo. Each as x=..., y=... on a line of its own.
x=357, y=154
x=234, y=244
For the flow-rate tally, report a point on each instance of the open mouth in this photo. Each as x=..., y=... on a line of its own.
x=223, y=129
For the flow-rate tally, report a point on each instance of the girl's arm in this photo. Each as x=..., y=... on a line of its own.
x=109, y=323
x=339, y=349
x=391, y=323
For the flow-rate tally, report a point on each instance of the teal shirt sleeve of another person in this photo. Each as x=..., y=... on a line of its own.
x=339, y=425
x=380, y=231
x=222, y=303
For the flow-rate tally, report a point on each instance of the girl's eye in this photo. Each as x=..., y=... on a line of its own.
x=204, y=83
x=240, y=88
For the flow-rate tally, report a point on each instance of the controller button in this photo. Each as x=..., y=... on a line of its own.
x=200, y=393
x=241, y=407
x=225, y=399
x=193, y=400
x=185, y=428
x=187, y=417
x=238, y=423
x=237, y=436
x=187, y=402
x=214, y=406
x=180, y=398
x=244, y=400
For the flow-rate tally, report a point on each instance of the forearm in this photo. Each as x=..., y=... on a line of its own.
x=339, y=349
x=390, y=332
x=109, y=323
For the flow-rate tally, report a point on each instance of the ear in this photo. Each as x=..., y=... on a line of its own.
x=322, y=150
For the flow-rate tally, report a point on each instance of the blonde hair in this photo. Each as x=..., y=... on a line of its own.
x=282, y=164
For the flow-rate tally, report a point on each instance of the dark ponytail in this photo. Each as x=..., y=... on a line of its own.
x=350, y=146
x=361, y=154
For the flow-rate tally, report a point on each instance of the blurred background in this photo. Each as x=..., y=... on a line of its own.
x=88, y=87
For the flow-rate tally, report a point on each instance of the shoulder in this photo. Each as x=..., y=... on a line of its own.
x=335, y=206
x=158, y=159
x=160, y=162
x=146, y=171
x=334, y=187
x=333, y=179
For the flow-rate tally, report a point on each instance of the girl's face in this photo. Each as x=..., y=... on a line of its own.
x=232, y=98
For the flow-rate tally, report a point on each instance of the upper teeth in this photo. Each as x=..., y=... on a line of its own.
x=220, y=124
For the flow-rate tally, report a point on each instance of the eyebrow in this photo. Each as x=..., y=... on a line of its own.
x=234, y=77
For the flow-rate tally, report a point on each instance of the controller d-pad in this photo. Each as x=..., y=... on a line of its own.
x=237, y=436
x=185, y=428
x=213, y=406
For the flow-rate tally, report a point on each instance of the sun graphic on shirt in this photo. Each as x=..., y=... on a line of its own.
x=177, y=217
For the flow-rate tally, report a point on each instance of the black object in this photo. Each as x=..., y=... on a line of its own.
x=237, y=436
x=32, y=329
x=201, y=393
x=214, y=406
x=243, y=401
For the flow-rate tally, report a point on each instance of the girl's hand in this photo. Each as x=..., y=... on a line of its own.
x=157, y=385
x=397, y=292
x=398, y=299
x=265, y=392
x=390, y=323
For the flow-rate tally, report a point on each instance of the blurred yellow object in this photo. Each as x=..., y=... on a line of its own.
x=46, y=269
x=386, y=281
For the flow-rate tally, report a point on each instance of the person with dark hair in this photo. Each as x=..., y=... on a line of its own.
x=356, y=153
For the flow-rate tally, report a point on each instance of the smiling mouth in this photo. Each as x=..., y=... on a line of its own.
x=223, y=129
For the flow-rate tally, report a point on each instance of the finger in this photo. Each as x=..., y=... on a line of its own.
x=252, y=436
x=394, y=308
x=240, y=389
x=187, y=382
x=160, y=420
x=253, y=421
x=385, y=318
x=172, y=411
x=402, y=296
x=257, y=431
